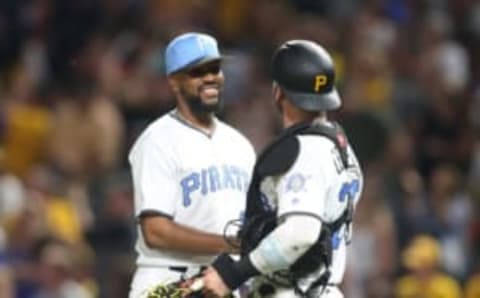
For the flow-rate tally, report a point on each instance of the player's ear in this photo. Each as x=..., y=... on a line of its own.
x=278, y=96
x=277, y=93
x=173, y=82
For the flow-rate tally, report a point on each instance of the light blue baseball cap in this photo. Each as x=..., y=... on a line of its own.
x=189, y=50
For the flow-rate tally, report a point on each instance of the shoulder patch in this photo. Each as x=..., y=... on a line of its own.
x=295, y=183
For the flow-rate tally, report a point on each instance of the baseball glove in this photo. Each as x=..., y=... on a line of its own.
x=180, y=289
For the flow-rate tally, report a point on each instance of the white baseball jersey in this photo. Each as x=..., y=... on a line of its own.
x=197, y=180
x=318, y=184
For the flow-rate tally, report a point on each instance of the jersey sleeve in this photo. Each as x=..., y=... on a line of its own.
x=304, y=186
x=153, y=171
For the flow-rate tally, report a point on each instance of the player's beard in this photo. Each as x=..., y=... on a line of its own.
x=198, y=106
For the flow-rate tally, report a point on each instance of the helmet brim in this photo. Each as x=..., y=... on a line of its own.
x=315, y=102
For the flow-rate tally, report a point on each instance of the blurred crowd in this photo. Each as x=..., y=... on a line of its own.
x=80, y=79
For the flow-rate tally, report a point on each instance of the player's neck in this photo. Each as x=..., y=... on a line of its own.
x=292, y=117
x=203, y=122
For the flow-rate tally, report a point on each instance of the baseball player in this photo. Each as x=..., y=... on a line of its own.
x=303, y=192
x=190, y=171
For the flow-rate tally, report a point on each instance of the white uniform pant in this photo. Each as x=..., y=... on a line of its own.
x=330, y=292
x=284, y=292
x=146, y=278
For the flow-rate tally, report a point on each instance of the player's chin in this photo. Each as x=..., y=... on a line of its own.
x=211, y=103
x=212, y=107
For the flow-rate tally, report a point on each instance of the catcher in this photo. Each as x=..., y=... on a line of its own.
x=304, y=189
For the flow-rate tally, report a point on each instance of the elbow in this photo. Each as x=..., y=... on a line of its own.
x=152, y=241
x=155, y=233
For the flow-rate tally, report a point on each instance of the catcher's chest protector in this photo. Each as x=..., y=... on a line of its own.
x=279, y=156
x=260, y=219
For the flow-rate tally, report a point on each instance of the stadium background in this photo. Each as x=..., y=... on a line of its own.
x=80, y=79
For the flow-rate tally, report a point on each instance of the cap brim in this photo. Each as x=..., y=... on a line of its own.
x=198, y=63
x=315, y=102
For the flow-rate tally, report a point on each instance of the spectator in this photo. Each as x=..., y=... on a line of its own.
x=425, y=279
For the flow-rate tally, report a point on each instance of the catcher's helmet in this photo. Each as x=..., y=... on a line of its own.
x=305, y=71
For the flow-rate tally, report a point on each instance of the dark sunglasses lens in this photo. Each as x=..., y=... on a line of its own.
x=214, y=69
x=201, y=71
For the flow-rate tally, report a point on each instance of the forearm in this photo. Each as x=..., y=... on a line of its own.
x=163, y=233
x=279, y=250
x=284, y=245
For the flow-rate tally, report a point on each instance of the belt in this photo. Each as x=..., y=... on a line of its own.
x=184, y=269
x=188, y=271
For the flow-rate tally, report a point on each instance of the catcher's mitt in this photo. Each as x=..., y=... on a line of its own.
x=179, y=289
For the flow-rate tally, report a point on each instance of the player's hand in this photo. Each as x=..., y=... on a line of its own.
x=213, y=285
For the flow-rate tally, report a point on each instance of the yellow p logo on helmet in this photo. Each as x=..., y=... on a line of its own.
x=320, y=81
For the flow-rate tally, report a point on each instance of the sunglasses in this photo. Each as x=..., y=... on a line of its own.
x=201, y=71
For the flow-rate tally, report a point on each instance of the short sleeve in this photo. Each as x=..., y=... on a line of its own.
x=153, y=173
x=304, y=186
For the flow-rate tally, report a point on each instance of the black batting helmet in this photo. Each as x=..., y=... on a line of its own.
x=305, y=71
